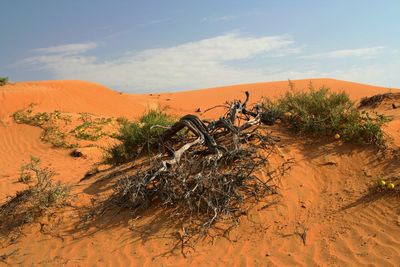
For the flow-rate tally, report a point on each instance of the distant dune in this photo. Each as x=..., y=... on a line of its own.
x=81, y=96
x=183, y=102
x=68, y=96
x=323, y=191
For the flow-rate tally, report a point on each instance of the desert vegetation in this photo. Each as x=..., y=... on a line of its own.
x=3, y=81
x=315, y=112
x=47, y=121
x=138, y=137
x=324, y=113
x=201, y=173
x=91, y=128
x=171, y=181
x=62, y=130
x=41, y=195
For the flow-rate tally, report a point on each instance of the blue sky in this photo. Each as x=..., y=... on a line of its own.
x=170, y=45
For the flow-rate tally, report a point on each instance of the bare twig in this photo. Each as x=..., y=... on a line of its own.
x=203, y=178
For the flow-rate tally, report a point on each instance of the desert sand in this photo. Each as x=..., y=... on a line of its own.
x=324, y=194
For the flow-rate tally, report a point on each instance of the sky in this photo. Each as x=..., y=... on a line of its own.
x=171, y=45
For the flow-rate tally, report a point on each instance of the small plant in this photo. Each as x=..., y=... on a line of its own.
x=48, y=122
x=88, y=131
x=364, y=129
x=28, y=169
x=122, y=120
x=56, y=137
x=26, y=116
x=138, y=136
x=41, y=195
x=3, y=81
x=92, y=128
x=271, y=112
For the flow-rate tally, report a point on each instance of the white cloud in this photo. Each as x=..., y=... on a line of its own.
x=206, y=63
x=69, y=49
x=218, y=19
x=376, y=74
x=197, y=64
x=358, y=52
x=286, y=52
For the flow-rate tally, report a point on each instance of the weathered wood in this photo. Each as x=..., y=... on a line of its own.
x=201, y=179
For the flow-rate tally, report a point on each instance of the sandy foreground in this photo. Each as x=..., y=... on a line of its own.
x=324, y=194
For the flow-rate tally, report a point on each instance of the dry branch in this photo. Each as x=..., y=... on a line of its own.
x=205, y=175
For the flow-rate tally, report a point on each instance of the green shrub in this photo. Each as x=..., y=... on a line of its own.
x=316, y=112
x=271, y=112
x=366, y=130
x=138, y=136
x=325, y=113
x=3, y=81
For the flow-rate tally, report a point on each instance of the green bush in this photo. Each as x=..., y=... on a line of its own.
x=366, y=130
x=3, y=81
x=325, y=113
x=138, y=136
x=316, y=112
x=272, y=111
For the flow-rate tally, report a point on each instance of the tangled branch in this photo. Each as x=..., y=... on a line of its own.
x=207, y=174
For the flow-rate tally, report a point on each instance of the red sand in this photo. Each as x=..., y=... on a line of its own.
x=320, y=193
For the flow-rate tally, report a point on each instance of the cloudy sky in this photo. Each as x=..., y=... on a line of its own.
x=170, y=45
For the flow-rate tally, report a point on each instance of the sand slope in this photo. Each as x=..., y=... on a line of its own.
x=324, y=193
x=68, y=96
x=19, y=142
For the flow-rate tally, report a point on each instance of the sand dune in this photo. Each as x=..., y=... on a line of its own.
x=68, y=96
x=187, y=102
x=325, y=192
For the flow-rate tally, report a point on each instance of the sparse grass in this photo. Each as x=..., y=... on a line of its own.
x=138, y=136
x=3, y=81
x=91, y=128
x=88, y=131
x=325, y=113
x=47, y=121
x=56, y=137
x=41, y=195
x=57, y=128
x=26, y=116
